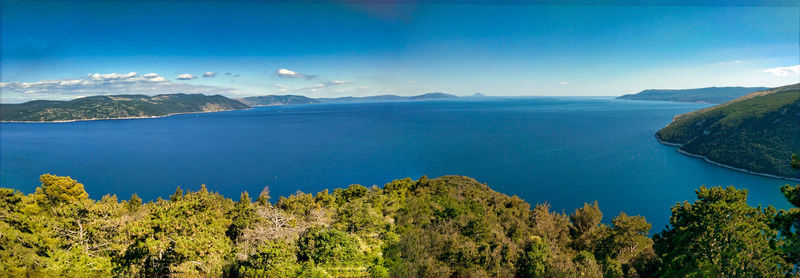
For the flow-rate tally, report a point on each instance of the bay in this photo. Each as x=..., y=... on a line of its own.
x=563, y=151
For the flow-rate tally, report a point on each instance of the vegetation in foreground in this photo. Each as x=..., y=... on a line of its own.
x=757, y=132
x=445, y=227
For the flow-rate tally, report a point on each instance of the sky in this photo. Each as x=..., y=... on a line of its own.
x=64, y=50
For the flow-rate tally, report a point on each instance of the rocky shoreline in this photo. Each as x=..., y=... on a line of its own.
x=706, y=159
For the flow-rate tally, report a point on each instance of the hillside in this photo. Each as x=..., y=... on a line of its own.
x=277, y=100
x=757, y=132
x=708, y=95
x=115, y=107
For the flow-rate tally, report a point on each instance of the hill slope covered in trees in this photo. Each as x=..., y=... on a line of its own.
x=757, y=132
x=709, y=95
x=445, y=227
x=115, y=107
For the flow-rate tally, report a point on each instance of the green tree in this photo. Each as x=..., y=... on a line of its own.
x=135, y=203
x=586, y=229
x=271, y=259
x=326, y=246
x=628, y=246
x=354, y=191
x=718, y=235
x=787, y=221
x=182, y=236
x=534, y=259
x=263, y=197
x=795, y=161
x=177, y=196
x=56, y=189
x=242, y=217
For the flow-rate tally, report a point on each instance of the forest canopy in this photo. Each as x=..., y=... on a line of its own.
x=450, y=226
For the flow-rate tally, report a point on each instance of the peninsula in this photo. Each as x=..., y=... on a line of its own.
x=756, y=133
x=705, y=95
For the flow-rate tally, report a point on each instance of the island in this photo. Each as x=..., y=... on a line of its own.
x=756, y=133
x=270, y=100
x=705, y=95
x=116, y=107
x=143, y=106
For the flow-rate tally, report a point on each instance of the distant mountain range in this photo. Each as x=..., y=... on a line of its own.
x=757, y=132
x=297, y=99
x=277, y=100
x=708, y=95
x=436, y=95
x=116, y=107
x=143, y=106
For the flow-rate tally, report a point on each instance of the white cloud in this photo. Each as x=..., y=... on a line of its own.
x=784, y=71
x=563, y=82
x=293, y=74
x=107, y=84
x=185, y=76
x=209, y=74
x=412, y=81
x=154, y=77
x=112, y=76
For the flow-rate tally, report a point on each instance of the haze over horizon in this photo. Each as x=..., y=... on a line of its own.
x=65, y=50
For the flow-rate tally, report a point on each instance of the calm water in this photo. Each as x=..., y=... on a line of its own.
x=564, y=151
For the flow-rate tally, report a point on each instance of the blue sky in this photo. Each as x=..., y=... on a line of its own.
x=63, y=50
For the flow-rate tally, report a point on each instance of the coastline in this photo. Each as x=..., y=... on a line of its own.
x=122, y=118
x=706, y=159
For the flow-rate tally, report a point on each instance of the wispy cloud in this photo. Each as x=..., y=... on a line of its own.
x=281, y=87
x=330, y=83
x=336, y=82
x=784, y=71
x=108, y=84
x=185, y=76
x=287, y=73
x=209, y=74
x=563, y=82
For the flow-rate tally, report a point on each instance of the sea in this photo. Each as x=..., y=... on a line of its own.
x=562, y=151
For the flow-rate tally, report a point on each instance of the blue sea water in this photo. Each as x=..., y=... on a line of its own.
x=563, y=151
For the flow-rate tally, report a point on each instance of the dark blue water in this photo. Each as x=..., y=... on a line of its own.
x=564, y=151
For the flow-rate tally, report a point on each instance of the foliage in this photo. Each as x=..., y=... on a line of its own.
x=719, y=235
x=756, y=132
x=787, y=222
x=445, y=227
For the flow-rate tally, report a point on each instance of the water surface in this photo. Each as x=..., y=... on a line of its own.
x=564, y=151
